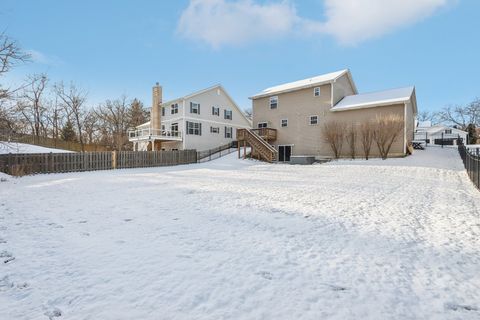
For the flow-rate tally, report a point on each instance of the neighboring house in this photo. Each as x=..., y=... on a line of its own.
x=438, y=134
x=299, y=110
x=202, y=120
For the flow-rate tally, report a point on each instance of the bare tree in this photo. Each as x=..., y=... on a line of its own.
x=387, y=129
x=91, y=126
x=137, y=113
x=10, y=54
x=115, y=116
x=73, y=101
x=351, y=136
x=32, y=107
x=334, y=133
x=366, y=137
x=461, y=116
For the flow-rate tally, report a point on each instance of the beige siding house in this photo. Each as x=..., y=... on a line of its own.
x=202, y=120
x=298, y=111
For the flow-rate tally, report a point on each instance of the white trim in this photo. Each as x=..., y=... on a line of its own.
x=270, y=102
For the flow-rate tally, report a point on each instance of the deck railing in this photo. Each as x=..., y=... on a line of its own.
x=146, y=134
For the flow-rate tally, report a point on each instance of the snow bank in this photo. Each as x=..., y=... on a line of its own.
x=234, y=239
x=14, y=147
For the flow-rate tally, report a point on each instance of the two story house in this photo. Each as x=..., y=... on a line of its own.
x=295, y=112
x=202, y=120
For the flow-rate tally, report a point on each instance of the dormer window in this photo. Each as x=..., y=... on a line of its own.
x=316, y=92
x=273, y=102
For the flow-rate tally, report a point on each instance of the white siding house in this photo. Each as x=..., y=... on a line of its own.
x=202, y=120
x=435, y=134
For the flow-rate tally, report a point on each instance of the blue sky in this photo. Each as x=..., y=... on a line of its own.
x=121, y=47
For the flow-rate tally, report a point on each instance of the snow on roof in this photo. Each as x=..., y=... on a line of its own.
x=305, y=83
x=424, y=124
x=373, y=99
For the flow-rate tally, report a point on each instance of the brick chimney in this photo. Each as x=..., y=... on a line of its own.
x=156, y=113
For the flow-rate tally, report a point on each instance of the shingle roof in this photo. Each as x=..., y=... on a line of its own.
x=305, y=83
x=373, y=99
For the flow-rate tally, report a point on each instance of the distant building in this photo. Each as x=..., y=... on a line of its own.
x=438, y=134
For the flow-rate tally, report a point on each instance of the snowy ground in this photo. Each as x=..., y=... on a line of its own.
x=14, y=147
x=234, y=239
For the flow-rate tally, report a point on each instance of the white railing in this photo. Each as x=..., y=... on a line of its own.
x=150, y=134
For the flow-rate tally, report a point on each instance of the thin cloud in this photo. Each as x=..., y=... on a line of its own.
x=237, y=22
x=41, y=58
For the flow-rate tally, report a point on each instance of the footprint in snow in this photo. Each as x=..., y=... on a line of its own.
x=5, y=254
x=265, y=274
x=335, y=287
x=459, y=307
x=127, y=220
x=82, y=221
x=2, y=240
x=55, y=313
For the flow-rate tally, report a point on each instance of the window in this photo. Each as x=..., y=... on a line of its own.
x=284, y=122
x=448, y=131
x=273, y=102
x=174, y=108
x=194, y=107
x=216, y=111
x=228, y=132
x=227, y=114
x=163, y=111
x=194, y=128
x=174, y=130
x=316, y=92
x=313, y=120
x=163, y=127
x=214, y=129
x=262, y=125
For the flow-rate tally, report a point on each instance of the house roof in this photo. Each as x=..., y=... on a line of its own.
x=196, y=93
x=437, y=129
x=305, y=83
x=375, y=99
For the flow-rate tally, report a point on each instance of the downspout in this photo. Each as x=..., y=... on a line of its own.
x=184, y=135
x=405, y=127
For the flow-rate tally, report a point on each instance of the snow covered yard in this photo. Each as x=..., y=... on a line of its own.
x=233, y=239
x=16, y=147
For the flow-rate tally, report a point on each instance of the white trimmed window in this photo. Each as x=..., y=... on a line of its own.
x=163, y=111
x=194, y=128
x=448, y=131
x=284, y=122
x=313, y=120
x=214, y=130
x=273, y=102
x=316, y=92
x=227, y=114
x=216, y=111
x=262, y=125
x=228, y=132
x=174, y=109
x=194, y=107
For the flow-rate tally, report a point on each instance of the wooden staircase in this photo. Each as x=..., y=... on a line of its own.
x=258, y=141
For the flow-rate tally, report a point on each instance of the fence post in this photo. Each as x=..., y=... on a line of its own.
x=114, y=159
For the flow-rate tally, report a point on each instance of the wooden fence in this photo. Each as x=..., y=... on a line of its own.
x=24, y=164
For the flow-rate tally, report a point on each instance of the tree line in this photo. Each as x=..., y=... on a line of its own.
x=61, y=111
